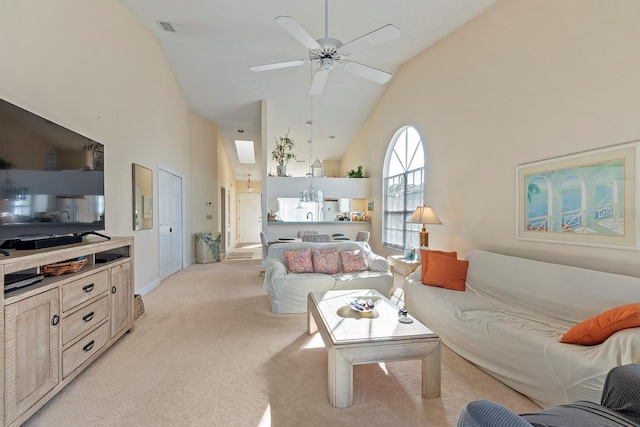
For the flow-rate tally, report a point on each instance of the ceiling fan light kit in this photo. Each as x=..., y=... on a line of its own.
x=327, y=52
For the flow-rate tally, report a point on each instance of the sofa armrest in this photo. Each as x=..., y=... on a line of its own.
x=415, y=276
x=486, y=413
x=378, y=263
x=620, y=391
x=273, y=268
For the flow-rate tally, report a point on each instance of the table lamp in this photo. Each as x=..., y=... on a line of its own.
x=424, y=215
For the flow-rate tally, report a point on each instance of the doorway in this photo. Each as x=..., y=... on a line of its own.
x=170, y=223
x=249, y=217
x=225, y=220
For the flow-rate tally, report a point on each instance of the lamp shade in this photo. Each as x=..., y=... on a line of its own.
x=424, y=215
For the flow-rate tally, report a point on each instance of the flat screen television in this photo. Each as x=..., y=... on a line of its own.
x=51, y=178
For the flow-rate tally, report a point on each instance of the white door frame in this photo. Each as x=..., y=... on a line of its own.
x=182, y=212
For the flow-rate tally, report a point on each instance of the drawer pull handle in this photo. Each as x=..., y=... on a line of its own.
x=55, y=320
x=113, y=290
x=88, y=288
x=89, y=346
x=88, y=317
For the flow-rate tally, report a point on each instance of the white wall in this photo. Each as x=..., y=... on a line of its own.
x=93, y=68
x=525, y=81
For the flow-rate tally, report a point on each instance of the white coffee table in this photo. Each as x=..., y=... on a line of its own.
x=353, y=338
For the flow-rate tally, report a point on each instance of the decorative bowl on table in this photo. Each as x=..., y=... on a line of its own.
x=362, y=305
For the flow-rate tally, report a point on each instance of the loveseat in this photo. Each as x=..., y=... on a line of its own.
x=512, y=314
x=288, y=290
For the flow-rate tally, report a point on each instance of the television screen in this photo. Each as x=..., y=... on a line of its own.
x=51, y=178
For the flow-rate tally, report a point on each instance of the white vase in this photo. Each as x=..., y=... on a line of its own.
x=282, y=170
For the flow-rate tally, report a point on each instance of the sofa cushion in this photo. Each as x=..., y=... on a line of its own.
x=597, y=329
x=550, y=292
x=353, y=261
x=446, y=272
x=325, y=260
x=299, y=261
x=424, y=256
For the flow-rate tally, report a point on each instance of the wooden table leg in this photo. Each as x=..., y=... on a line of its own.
x=311, y=324
x=340, y=380
x=431, y=373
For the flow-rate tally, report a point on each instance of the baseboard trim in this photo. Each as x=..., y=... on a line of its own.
x=148, y=288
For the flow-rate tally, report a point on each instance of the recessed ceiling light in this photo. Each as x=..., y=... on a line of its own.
x=245, y=150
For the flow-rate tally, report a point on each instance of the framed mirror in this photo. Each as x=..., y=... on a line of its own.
x=142, y=198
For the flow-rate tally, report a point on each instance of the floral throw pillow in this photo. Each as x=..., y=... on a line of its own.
x=353, y=261
x=325, y=260
x=298, y=261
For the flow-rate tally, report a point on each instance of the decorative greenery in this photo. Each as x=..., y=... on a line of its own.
x=5, y=164
x=355, y=173
x=532, y=190
x=283, y=151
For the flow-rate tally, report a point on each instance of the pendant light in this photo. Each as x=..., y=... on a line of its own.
x=310, y=194
x=249, y=186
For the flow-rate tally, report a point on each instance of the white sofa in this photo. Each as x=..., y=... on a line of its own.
x=511, y=316
x=288, y=291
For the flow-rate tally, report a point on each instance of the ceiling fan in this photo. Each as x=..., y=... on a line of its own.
x=328, y=52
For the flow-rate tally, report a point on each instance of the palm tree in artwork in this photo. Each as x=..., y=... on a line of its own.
x=532, y=190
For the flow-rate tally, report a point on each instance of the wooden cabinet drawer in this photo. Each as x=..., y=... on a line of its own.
x=84, y=289
x=84, y=319
x=78, y=353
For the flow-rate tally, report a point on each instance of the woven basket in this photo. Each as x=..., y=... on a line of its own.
x=63, y=267
x=138, y=306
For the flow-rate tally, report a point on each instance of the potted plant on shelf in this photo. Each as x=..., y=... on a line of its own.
x=355, y=173
x=283, y=153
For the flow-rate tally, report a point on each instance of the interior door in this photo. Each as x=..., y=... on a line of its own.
x=223, y=220
x=249, y=217
x=170, y=201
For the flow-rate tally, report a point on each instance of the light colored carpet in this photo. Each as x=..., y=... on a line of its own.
x=240, y=255
x=209, y=352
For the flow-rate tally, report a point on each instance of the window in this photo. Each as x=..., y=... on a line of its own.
x=403, y=188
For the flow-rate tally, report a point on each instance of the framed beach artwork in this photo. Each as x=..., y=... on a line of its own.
x=588, y=198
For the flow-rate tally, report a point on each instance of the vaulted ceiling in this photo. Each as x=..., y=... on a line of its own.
x=216, y=41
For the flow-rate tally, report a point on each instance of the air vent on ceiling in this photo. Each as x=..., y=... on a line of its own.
x=167, y=26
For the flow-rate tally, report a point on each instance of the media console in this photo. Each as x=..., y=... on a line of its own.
x=54, y=329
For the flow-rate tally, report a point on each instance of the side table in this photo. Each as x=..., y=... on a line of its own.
x=401, y=266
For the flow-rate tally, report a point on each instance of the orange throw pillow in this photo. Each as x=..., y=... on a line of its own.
x=597, y=329
x=446, y=271
x=424, y=256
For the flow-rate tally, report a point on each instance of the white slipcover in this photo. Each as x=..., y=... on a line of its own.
x=510, y=319
x=288, y=291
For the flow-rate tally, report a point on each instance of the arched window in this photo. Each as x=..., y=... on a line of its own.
x=403, y=188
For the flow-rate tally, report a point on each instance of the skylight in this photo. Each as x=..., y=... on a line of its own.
x=246, y=154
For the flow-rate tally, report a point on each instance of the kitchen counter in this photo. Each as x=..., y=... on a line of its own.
x=311, y=223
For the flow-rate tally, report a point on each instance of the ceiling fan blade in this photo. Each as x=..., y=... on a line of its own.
x=297, y=31
x=367, y=72
x=277, y=65
x=319, y=79
x=374, y=38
